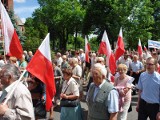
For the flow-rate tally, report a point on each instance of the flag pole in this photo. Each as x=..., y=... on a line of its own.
x=15, y=86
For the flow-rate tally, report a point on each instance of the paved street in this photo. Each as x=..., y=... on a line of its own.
x=131, y=115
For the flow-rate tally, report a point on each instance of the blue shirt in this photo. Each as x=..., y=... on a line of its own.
x=150, y=86
x=136, y=66
x=112, y=102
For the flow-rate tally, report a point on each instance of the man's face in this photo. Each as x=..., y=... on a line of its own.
x=150, y=65
x=97, y=76
x=4, y=79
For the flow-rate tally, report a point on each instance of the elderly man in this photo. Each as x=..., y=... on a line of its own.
x=149, y=92
x=19, y=105
x=102, y=98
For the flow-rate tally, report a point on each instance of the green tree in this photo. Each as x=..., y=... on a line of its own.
x=134, y=16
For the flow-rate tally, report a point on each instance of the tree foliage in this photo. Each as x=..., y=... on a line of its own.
x=69, y=20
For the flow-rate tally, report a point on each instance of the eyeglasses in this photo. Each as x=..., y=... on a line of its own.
x=149, y=64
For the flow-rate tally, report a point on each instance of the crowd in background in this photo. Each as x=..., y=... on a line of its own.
x=108, y=95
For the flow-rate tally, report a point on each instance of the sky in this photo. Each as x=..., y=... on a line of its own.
x=25, y=8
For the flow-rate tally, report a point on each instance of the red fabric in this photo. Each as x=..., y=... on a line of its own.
x=139, y=48
x=105, y=49
x=145, y=49
x=42, y=68
x=15, y=46
x=112, y=64
x=102, y=48
x=120, y=48
x=12, y=43
x=112, y=78
x=87, y=49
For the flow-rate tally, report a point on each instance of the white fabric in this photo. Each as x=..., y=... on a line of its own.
x=7, y=27
x=108, y=47
x=45, y=48
x=72, y=88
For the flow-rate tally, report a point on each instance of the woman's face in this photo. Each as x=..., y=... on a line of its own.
x=122, y=71
x=66, y=76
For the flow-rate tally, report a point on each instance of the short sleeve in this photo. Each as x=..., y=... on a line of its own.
x=113, y=101
x=74, y=88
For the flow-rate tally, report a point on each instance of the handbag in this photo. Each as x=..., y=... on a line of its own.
x=68, y=102
x=40, y=110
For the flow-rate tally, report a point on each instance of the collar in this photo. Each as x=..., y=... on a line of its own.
x=101, y=83
x=68, y=82
x=10, y=87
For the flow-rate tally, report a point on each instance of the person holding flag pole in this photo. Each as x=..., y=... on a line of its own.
x=15, y=100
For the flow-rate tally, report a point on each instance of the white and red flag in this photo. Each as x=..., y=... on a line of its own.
x=105, y=49
x=140, y=48
x=41, y=67
x=119, y=46
x=145, y=49
x=12, y=43
x=87, y=50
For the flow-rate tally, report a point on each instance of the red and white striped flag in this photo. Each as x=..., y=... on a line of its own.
x=12, y=43
x=87, y=49
x=105, y=49
x=119, y=46
x=140, y=48
x=41, y=67
x=145, y=49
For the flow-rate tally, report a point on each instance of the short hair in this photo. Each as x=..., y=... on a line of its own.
x=75, y=60
x=150, y=58
x=64, y=57
x=11, y=70
x=122, y=67
x=67, y=71
x=13, y=59
x=101, y=68
x=99, y=59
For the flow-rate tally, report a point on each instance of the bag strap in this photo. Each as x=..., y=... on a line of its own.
x=66, y=89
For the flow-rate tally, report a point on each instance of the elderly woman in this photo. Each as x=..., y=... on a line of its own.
x=123, y=83
x=70, y=91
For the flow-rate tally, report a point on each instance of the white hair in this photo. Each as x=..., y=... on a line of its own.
x=101, y=68
x=75, y=60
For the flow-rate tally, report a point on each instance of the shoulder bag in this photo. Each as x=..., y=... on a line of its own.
x=69, y=102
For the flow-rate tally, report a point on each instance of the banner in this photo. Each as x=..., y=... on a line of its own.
x=153, y=44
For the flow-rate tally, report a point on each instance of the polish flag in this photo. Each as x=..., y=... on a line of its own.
x=12, y=43
x=145, y=49
x=87, y=49
x=119, y=46
x=139, y=48
x=41, y=67
x=105, y=49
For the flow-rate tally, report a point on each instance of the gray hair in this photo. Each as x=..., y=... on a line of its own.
x=11, y=70
x=101, y=68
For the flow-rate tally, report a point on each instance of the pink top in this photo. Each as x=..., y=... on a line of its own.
x=121, y=84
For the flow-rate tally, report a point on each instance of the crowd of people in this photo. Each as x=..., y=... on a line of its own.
x=108, y=95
